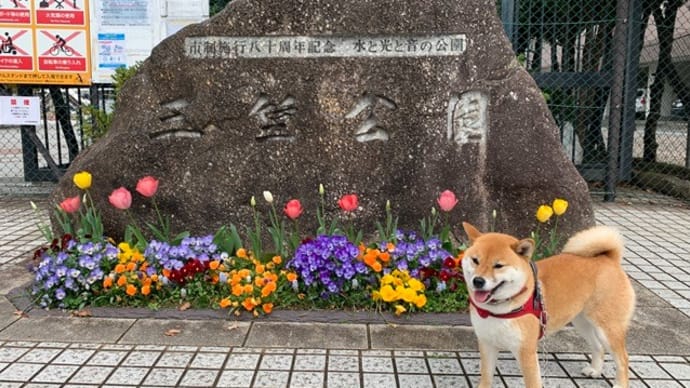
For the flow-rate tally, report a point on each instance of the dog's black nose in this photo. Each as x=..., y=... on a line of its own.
x=478, y=282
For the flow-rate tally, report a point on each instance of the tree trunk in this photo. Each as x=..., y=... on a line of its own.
x=665, y=24
x=62, y=113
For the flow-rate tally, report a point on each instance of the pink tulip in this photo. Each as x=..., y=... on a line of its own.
x=121, y=198
x=447, y=201
x=147, y=186
x=70, y=205
x=348, y=202
x=293, y=209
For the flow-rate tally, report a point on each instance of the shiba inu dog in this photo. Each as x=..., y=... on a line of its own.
x=514, y=301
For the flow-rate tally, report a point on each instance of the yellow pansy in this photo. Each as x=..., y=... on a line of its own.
x=544, y=213
x=388, y=294
x=420, y=301
x=82, y=180
x=399, y=309
x=408, y=295
x=415, y=284
x=559, y=206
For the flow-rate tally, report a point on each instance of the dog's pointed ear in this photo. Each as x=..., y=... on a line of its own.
x=471, y=231
x=524, y=248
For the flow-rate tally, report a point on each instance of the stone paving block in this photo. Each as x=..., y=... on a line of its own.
x=39, y=355
x=378, y=380
x=19, y=372
x=107, y=357
x=343, y=363
x=449, y=381
x=236, y=378
x=9, y=354
x=271, y=379
x=411, y=365
x=417, y=381
x=309, y=362
x=209, y=360
x=64, y=329
x=55, y=374
x=343, y=380
x=451, y=366
x=276, y=362
x=199, y=378
x=419, y=337
x=377, y=364
x=307, y=335
x=242, y=361
x=127, y=376
x=91, y=375
x=302, y=379
x=166, y=377
x=197, y=333
x=175, y=359
x=141, y=358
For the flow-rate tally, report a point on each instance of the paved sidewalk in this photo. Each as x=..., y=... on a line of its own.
x=53, y=349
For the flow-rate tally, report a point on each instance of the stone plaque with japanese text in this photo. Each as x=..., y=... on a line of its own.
x=389, y=100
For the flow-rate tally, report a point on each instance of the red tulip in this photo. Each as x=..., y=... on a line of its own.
x=121, y=198
x=147, y=186
x=70, y=205
x=348, y=202
x=293, y=209
x=447, y=201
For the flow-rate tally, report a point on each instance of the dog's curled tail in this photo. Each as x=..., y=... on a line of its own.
x=599, y=240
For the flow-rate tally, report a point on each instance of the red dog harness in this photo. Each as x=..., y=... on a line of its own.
x=534, y=305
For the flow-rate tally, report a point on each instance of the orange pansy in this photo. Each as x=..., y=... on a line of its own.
x=145, y=290
x=224, y=303
x=121, y=281
x=120, y=268
x=131, y=290
x=214, y=264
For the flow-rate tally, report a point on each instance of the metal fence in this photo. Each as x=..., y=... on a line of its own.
x=616, y=75
x=33, y=155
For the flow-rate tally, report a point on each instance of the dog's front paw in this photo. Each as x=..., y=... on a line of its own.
x=591, y=372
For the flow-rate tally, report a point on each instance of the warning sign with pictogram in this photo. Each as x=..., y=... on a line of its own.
x=15, y=12
x=61, y=50
x=60, y=12
x=16, y=49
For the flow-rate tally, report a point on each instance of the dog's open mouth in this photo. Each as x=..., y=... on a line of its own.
x=485, y=296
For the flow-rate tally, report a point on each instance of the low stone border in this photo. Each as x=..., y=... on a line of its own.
x=20, y=299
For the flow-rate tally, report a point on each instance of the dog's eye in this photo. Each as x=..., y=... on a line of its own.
x=498, y=265
x=475, y=260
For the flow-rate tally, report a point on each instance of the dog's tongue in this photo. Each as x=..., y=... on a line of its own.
x=481, y=296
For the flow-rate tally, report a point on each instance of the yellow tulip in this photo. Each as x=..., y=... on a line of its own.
x=559, y=206
x=82, y=180
x=544, y=213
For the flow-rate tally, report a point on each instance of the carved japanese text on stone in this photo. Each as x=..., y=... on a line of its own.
x=226, y=47
x=273, y=117
x=467, y=121
x=370, y=129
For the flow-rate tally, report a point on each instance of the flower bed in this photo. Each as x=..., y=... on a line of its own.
x=399, y=271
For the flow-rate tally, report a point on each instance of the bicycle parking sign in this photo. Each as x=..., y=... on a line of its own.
x=45, y=42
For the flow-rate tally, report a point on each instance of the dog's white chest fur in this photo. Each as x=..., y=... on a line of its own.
x=501, y=333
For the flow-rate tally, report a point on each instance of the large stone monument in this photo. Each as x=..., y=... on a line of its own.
x=392, y=100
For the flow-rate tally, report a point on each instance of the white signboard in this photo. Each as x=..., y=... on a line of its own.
x=125, y=31
x=18, y=110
